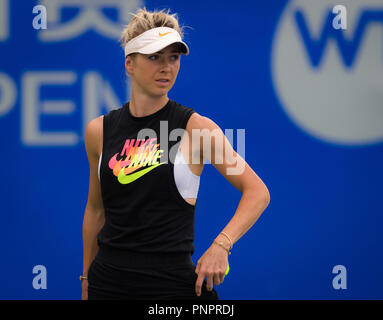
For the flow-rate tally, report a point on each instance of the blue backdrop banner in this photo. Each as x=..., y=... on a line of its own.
x=299, y=81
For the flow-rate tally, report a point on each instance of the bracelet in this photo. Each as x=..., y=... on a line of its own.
x=83, y=278
x=231, y=242
x=221, y=245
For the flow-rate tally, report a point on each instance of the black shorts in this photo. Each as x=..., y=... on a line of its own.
x=119, y=275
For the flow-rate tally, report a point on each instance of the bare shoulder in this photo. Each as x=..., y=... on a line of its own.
x=196, y=121
x=203, y=132
x=94, y=136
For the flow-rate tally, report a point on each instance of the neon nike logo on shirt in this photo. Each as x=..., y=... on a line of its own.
x=125, y=179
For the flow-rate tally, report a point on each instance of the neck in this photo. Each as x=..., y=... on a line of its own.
x=143, y=105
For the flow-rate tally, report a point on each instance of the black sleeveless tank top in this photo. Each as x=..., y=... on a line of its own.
x=144, y=212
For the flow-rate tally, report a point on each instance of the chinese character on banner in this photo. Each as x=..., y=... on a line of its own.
x=90, y=17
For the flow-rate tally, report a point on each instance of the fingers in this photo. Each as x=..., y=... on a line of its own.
x=222, y=275
x=198, y=284
x=217, y=279
x=214, y=275
x=198, y=267
x=209, y=284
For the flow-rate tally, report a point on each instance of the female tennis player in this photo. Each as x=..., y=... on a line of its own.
x=145, y=165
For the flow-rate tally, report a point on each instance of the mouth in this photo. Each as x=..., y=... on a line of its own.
x=163, y=82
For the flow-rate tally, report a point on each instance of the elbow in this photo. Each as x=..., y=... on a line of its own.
x=94, y=214
x=267, y=197
x=261, y=195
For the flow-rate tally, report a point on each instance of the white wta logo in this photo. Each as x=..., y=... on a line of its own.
x=328, y=80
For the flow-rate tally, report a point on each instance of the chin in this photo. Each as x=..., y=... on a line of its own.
x=162, y=91
x=160, y=94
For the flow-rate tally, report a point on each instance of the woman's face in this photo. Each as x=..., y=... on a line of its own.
x=146, y=70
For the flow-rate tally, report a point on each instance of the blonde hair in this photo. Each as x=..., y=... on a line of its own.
x=145, y=20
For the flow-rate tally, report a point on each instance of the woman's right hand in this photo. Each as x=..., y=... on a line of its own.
x=84, y=290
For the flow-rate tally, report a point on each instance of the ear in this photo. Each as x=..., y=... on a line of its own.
x=129, y=65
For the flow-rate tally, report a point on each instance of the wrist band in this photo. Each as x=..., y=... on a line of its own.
x=231, y=242
x=83, y=278
x=221, y=245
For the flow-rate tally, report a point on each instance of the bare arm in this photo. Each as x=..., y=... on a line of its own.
x=255, y=195
x=94, y=217
x=214, y=146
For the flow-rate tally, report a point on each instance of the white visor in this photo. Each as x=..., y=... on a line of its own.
x=154, y=40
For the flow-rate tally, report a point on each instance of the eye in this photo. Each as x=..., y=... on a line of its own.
x=175, y=57
x=150, y=57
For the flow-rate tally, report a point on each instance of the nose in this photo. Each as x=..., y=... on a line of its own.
x=165, y=63
x=165, y=66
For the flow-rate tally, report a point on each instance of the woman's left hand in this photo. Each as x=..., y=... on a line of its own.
x=211, y=265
